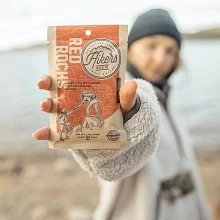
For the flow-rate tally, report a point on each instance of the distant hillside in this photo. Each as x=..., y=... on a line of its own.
x=210, y=33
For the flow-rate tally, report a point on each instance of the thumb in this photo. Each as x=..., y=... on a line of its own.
x=128, y=95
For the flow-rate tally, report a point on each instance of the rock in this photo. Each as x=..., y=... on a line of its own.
x=7, y=166
x=79, y=213
x=17, y=169
x=91, y=122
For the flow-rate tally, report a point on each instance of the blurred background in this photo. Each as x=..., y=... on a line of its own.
x=39, y=183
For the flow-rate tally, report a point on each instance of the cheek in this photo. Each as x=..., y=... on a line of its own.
x=170, y=63
x=139, y=58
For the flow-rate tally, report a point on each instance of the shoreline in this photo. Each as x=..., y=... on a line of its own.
x=186, y=36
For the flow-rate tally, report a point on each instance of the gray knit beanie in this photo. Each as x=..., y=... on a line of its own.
x=154, y=21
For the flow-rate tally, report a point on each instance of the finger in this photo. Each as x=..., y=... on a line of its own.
x=128, y=95
x=42, y=133
x=44, y=82
x=46, y=104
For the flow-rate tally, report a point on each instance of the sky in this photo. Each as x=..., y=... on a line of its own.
x=24, y=22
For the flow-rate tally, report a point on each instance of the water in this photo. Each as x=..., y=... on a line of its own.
x=197, y=95
x=20, y=114
x=19, y=111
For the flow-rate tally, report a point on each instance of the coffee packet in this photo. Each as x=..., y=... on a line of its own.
x=87, y=66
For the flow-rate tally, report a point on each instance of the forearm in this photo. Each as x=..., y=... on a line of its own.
x=143, y=137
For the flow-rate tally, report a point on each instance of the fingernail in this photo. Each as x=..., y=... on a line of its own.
x=40, y=82
x=33, y=135
x=41, y=104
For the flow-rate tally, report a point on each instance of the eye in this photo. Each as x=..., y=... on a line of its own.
x=170, y=51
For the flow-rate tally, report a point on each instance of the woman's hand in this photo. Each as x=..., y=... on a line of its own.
x=128, y=96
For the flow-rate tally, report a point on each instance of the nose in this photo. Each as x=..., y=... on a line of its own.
x=159, y=57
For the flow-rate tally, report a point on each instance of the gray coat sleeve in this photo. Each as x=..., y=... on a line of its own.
x=143, y=136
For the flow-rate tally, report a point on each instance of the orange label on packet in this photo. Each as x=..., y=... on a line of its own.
x=87, y=67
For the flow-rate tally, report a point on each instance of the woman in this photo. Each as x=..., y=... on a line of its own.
x=166, y=186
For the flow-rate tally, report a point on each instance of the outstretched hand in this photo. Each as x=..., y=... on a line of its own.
x=128, y=96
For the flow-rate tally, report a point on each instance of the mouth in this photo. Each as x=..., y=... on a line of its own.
x=156, y=71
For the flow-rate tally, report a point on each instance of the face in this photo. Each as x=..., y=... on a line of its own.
x=154, y=56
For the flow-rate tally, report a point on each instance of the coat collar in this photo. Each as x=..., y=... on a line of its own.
x=161, y=88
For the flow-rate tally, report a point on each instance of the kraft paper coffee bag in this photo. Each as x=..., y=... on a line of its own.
x=87, y=65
